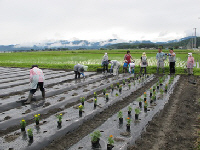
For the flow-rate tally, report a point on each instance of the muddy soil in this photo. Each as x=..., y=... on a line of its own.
x=174, y=127
x=90, y=125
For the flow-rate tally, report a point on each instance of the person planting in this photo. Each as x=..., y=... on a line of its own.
x=79, y=70
x=37, y=81
x=172, y=60
x=115, y=66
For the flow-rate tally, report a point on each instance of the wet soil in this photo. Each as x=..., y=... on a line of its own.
x=73, y=137
x=174, y=127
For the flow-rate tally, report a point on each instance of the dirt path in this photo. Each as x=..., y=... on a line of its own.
x=174, y=128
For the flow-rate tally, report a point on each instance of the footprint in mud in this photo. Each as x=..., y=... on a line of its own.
x=75, y=94
x=46, y=104
x=27, y=111
x=125, y=133
x=86, y=90
x=10, y=138
x=65, y=92
x=61, y=99
x=90, y=101
x=76, y=106
x=7, y=118
x=117, y=139
x=101, y=84
x=94, y=87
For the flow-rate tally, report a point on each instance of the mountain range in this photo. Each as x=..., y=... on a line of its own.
x=82, y=44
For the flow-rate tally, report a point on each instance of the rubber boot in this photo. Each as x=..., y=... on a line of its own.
x=29, y=98
x=43, y=94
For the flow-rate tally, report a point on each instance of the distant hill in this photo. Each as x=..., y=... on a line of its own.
x=110, y=43
x=185, y=43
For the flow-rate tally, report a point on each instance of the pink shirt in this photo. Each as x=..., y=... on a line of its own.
x=36, y=74
x=190, y=62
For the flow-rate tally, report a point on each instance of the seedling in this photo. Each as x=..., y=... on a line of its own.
x=95, y=95
x=110, y=140
x=23, y=125
x=145, y=94
x=140, y=101
x=80, y=107
x=30, y=134
x=128, y=121
x=95, y=136
x=59, y=118
x=120, y=114
x=106, y=96
x=95, y=102
x=120, y=88
x=137, y=111
x=37, y=118
x=161, y=91
x=129, y=110
x=104, y=91
x=166, y=87
x=112, y=87
x=129, y=85
x=82, y=99
x=116, y=94
x=124, y=82
x=129, y=80
x=118, y=85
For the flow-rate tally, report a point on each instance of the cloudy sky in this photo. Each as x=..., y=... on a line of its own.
x=27, y=21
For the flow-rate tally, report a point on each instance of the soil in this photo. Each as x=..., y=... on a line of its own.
x=10, y=138
x=174, y=127
x=73, y=137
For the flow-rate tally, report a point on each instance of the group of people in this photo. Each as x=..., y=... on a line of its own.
x=37, y=76
x=129, y=63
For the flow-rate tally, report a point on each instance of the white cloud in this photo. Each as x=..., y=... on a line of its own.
x=33, y=21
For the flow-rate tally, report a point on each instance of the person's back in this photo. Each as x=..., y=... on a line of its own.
x=132, y=67
x=36, y=74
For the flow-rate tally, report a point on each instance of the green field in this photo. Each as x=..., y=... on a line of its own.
x=92, y=58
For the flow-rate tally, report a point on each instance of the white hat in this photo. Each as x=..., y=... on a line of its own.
x=189, y=54
x=106, y=54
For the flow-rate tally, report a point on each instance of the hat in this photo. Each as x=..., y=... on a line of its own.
x=171, y=48
x=189, y=54
x=106, y=54
x=143, y=54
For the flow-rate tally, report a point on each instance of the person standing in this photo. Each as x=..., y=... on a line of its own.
x=143, y=63
x=161, y=57
x=79, y=70
x=105, y=62
x=36, y=80
x=128, y=57
x=190, y=64
x=172, y=60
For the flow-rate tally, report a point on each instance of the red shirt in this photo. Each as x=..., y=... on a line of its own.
x=128, y=58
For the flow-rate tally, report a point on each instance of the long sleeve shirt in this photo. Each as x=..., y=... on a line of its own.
x=161, y=57
x=190, y=62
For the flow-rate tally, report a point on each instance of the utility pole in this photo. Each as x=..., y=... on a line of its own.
x=195, y=38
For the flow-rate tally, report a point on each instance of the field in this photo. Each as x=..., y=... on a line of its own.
x=175, y=104
x=92, y=58
x=136, y=112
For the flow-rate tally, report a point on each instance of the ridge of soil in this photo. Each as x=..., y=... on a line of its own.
x=174, y=127
x=73, y=137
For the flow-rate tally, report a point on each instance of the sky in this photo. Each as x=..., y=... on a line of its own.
x=30, y=21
